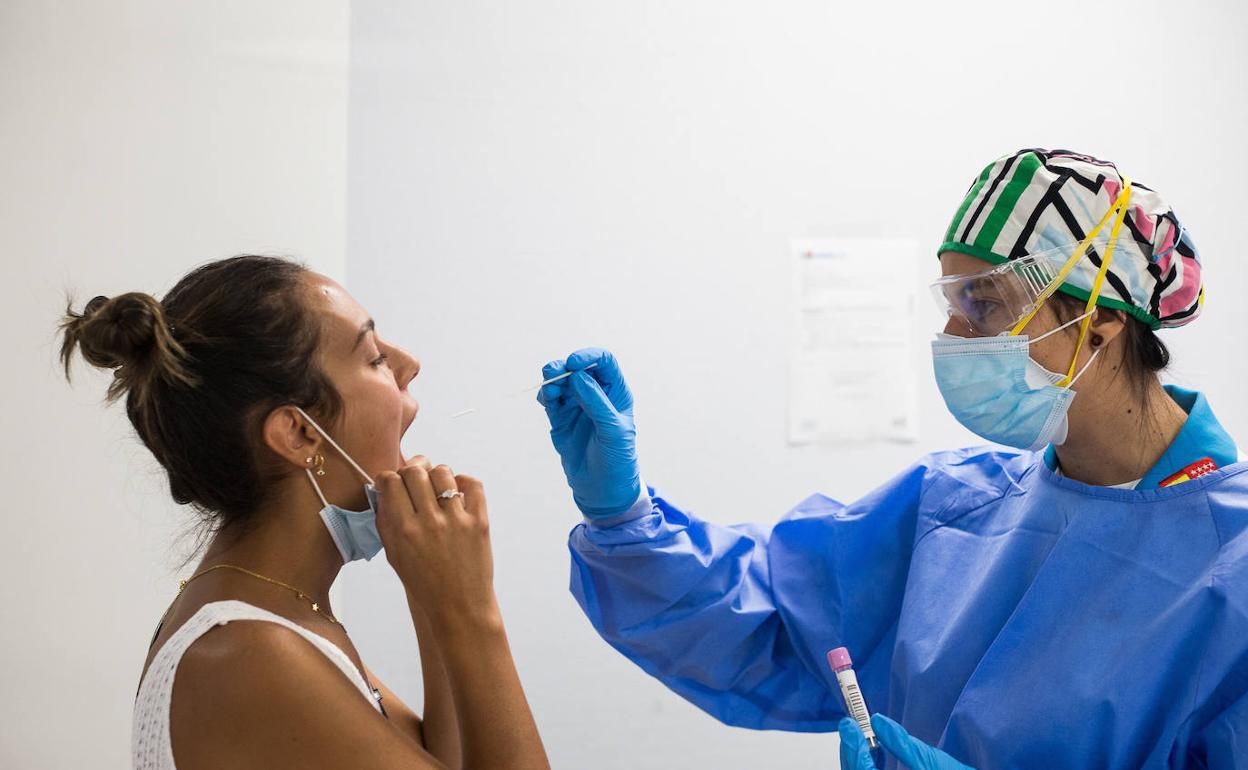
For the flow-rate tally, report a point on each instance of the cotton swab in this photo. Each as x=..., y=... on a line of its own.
x=538, y=386
x=565, y=375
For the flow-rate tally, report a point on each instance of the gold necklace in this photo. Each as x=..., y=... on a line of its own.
x=316, y=607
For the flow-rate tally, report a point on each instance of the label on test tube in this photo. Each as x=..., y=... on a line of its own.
x=839, y=660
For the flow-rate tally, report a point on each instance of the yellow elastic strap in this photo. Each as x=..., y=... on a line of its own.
x=1082, y=249
x=1124, y=198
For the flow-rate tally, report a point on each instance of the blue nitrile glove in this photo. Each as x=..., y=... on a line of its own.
x=591, y=425
x=910, y=752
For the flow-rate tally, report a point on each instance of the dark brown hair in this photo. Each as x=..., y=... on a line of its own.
x=202, y=368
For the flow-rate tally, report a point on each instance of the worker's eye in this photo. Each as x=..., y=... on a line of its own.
x=379, y=360
x=983, y=307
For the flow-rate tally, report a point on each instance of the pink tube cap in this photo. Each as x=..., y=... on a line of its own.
x=839, y=660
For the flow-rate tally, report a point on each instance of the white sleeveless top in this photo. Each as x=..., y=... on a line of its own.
x=150, y=743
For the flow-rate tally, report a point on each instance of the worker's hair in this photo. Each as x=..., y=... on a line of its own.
x=202, y=368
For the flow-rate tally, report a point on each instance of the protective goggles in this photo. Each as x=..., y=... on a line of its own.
x=1003, y=298
x=993, y=301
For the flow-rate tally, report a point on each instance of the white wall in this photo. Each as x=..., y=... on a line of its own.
x=138, y=139
x=530, y=177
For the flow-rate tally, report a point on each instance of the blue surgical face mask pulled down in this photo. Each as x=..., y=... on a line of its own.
x=994, y=388
x=353, y=532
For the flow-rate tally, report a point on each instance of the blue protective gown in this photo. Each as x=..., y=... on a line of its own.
x=1010, y=616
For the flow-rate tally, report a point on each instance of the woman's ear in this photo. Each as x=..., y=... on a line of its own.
x=290, y=436
x=1105, y=326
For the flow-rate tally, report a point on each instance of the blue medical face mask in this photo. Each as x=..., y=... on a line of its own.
x=353, y=532
x=994, y=388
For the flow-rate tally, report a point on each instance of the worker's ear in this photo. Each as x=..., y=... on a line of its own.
x=1105, y=327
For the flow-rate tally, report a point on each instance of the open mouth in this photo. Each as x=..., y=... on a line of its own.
x=410, y=414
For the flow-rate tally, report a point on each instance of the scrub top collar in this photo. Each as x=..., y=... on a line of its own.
x=1201, y=436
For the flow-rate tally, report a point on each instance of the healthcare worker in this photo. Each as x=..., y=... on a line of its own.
x=1074, y=597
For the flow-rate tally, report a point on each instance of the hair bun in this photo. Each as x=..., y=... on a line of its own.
x=121, y=331
x=128, y=333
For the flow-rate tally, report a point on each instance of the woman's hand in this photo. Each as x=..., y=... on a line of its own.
x=439, y=546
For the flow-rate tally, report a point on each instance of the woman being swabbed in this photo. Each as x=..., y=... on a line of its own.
x=266, y=394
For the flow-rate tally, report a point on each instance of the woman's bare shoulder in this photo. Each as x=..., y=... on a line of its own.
x=258, y=694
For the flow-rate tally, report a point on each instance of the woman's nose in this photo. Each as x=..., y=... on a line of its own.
x=408, y=371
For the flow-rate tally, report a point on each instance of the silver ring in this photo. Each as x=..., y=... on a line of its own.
x=450, y=494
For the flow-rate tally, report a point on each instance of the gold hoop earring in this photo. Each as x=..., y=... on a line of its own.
x=318, y=462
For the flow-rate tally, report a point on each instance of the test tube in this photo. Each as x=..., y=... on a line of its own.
x=841, y=664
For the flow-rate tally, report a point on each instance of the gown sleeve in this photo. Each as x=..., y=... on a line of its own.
x=736, y=619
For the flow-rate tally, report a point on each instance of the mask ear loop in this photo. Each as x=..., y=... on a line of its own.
x=1071, y=322
x=334, y=444
x=1051, y=332
x=1074, y=379
x=317, y=487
